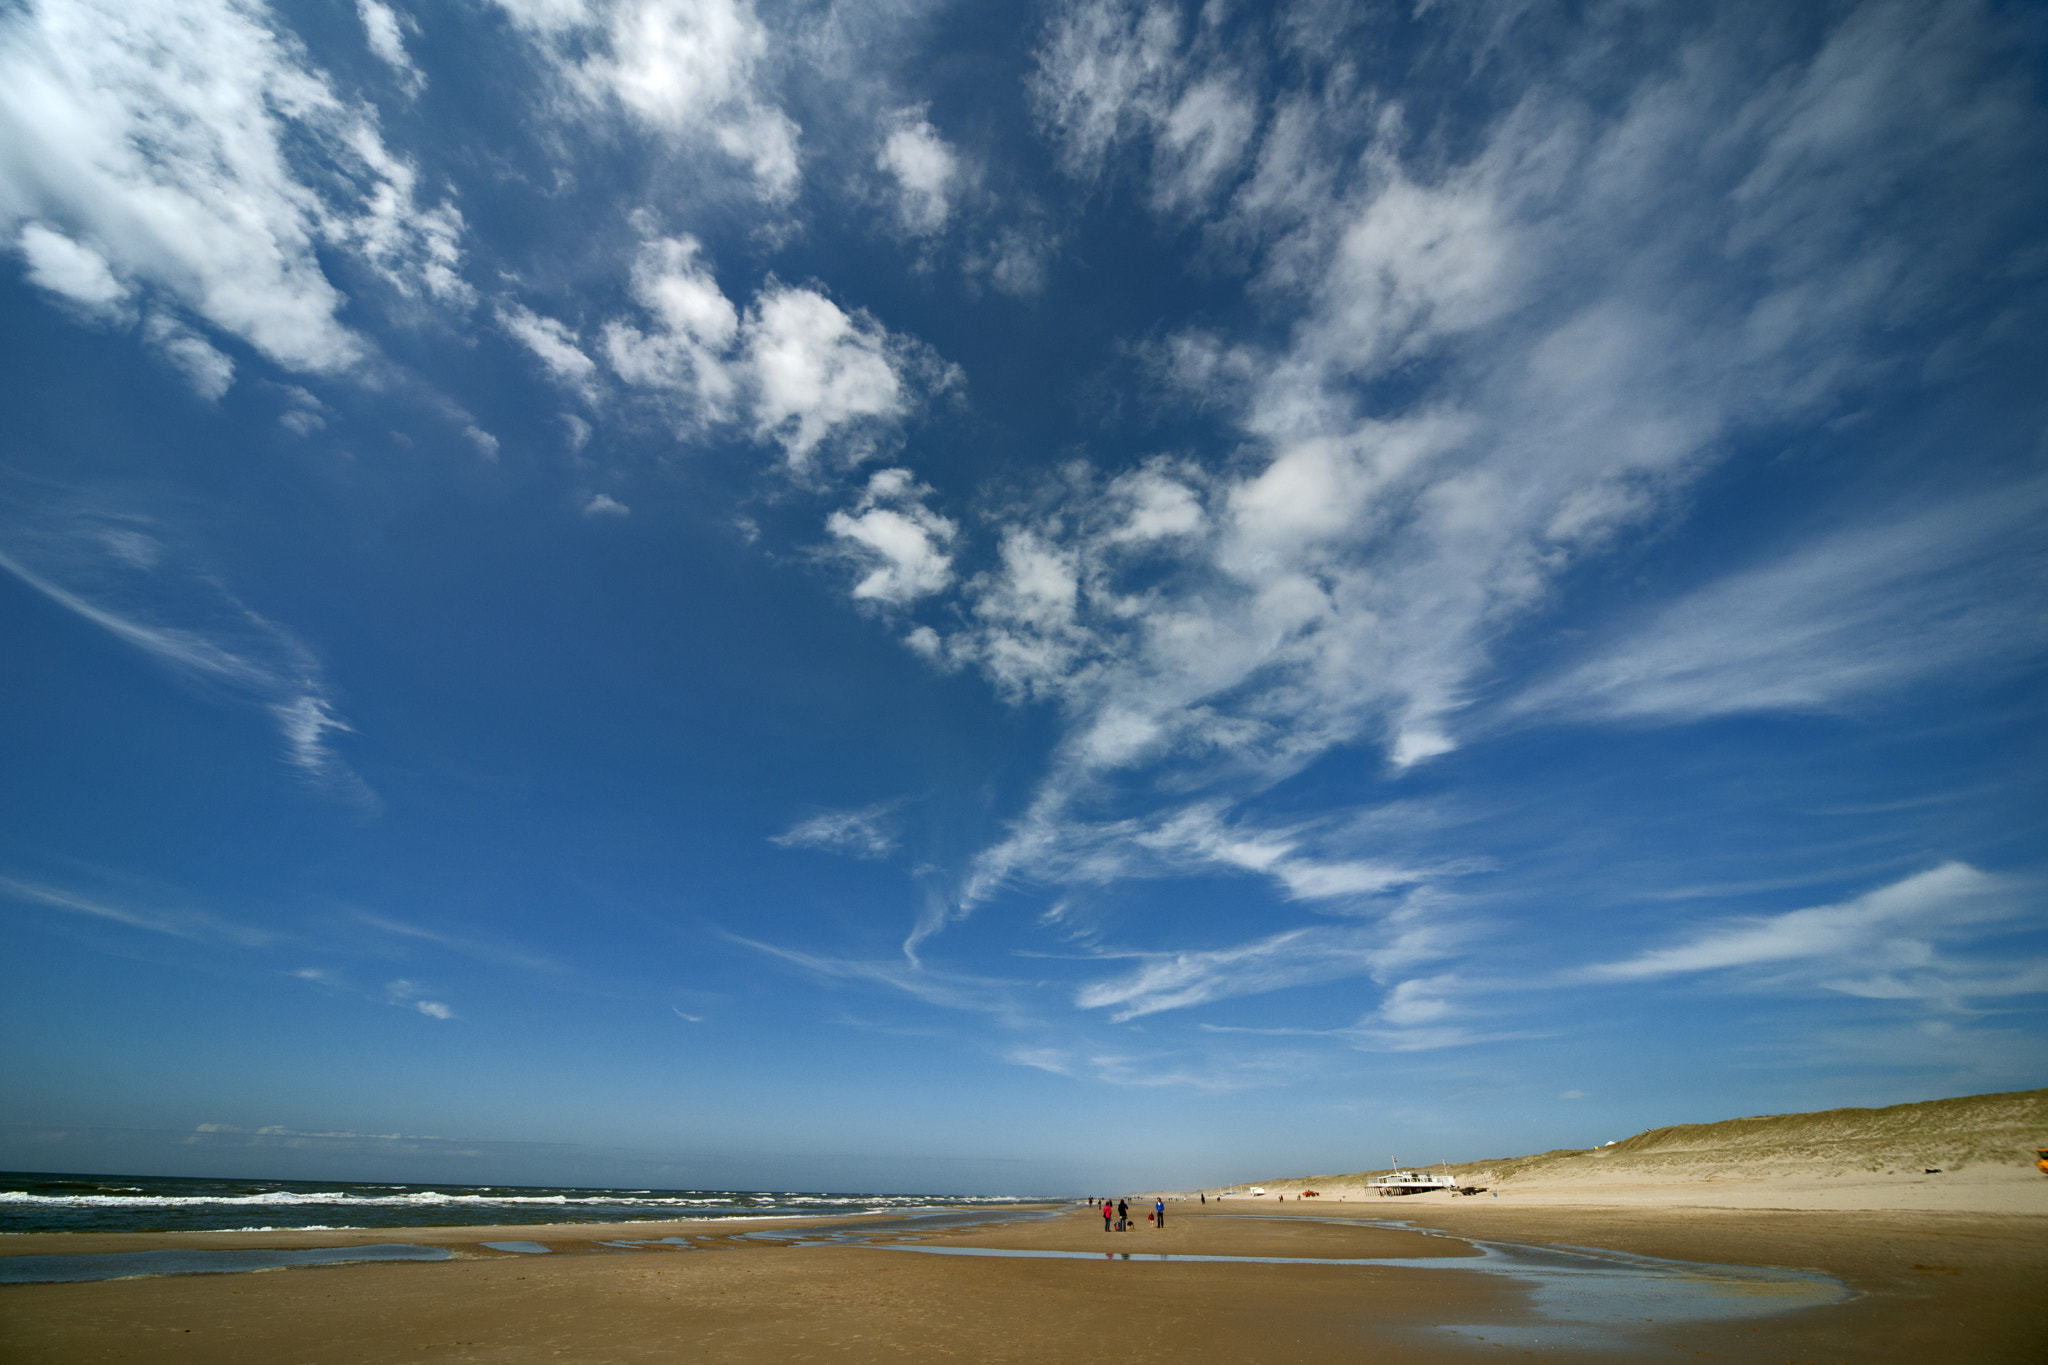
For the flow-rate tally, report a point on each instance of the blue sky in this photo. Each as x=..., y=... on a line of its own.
x=1011, y=599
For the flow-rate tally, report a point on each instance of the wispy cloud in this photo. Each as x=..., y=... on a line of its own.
x=1293, y=957
x=496, y=953
x=198, y=926
x=412, y=995
x=951, y=990
x=1504, y=363
x=93, y=567
x=1959, y=586
x=385, y=30
x=863, y=832
x=1884, y=944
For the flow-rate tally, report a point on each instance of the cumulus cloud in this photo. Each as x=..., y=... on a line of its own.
x=896, y=539
x=925, y=168
x=191, y=149
x=693, y=328
x=800, y=371
x=71, y=270
x=605, y=505
x=817, y=370
x=689, y=71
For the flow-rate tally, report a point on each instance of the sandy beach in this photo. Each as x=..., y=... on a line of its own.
x=1925, y=1286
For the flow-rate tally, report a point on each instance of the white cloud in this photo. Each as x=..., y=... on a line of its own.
x=1295, y=957
x=208, y=371
x=304, y=414
x=605, y=505
x=1017, y=262
x=801, y=371
x=1501, y=361
x=194, y=925
x=1958, y=584
x=687, y=70
x=949, y=990
x=927, y=172
x=1103, y=66
x=696, y=326
x=1889, y=933
x=408, y=993
x=384, y=29
x=222, y=646
x=558, y=349
x=81, y=276
x=899, y=541
x=863, y=832
x=816, y=371
x=1113, y=73
x=202, y=158
x=71, y=270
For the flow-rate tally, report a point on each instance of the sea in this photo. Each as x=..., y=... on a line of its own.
x=46, y=1202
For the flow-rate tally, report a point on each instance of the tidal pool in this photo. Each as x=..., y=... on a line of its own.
x=1579, y=1296
x=115, y=1265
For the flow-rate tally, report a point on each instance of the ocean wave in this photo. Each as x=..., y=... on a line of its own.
x=434, y=1198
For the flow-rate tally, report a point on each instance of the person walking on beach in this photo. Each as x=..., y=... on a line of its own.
x=1159, y=1212
x=1107, y=1210
x=1123, y=1214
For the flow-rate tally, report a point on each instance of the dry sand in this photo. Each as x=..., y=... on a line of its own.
x=1974, y=1154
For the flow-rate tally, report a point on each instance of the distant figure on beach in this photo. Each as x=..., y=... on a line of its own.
x=1205, y=1196
x=1107, y=1212
x=1159, y=1213
x=1123, y=1214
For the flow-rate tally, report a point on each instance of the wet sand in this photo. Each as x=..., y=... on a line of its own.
x=1929, y=1287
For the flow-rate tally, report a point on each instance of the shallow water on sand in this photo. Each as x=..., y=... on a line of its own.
x=117, y=1265
x=1582, y=1297
x=1578, y=1297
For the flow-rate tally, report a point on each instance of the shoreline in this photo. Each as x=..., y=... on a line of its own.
x=1924, y=1286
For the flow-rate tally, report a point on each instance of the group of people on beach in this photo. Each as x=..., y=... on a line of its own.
x=1120, y=1214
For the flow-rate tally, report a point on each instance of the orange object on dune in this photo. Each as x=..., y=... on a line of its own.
x=2042, y=1164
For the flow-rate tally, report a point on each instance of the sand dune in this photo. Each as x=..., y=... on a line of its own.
x=1974, y=1154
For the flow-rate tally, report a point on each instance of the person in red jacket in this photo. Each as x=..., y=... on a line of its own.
x=1108, y=1212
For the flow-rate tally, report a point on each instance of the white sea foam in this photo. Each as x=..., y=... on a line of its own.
x=434, y=1198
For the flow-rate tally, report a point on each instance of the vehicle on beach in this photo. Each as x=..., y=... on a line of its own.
x=1418, y=1182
